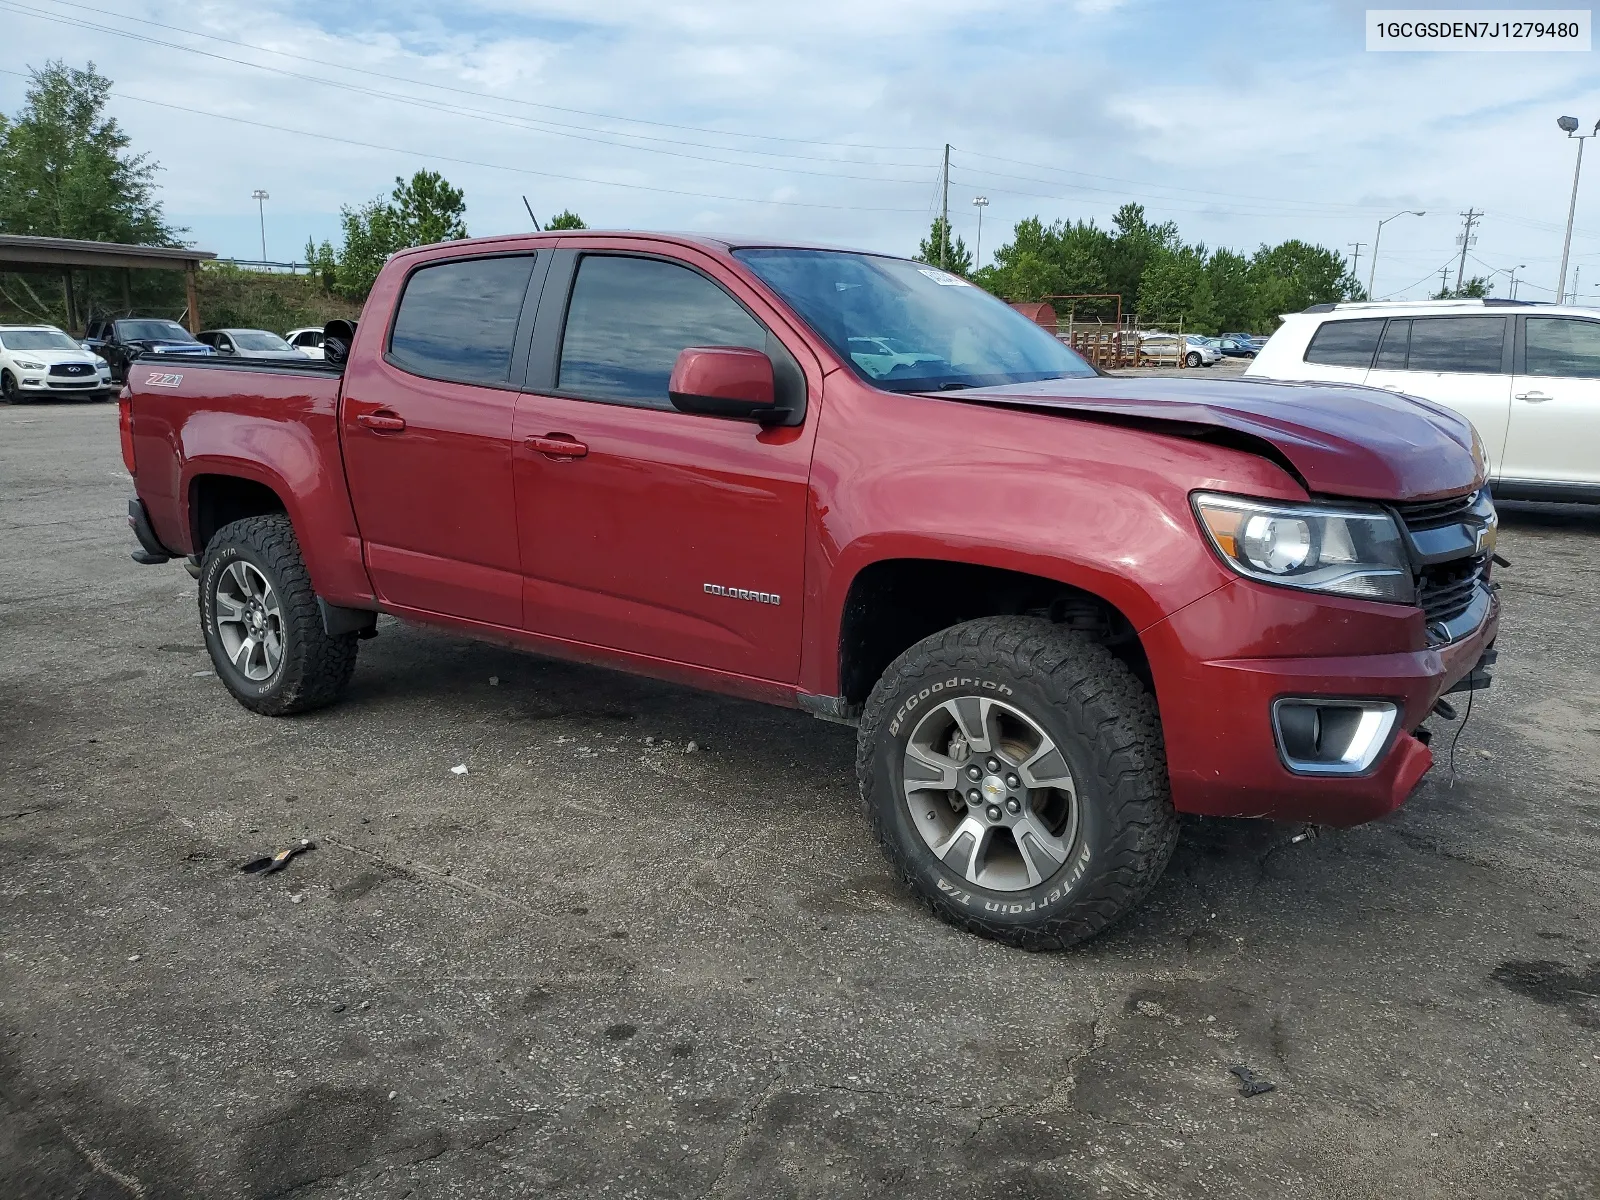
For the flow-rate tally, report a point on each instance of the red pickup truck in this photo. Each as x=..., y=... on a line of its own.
x=1061, y=607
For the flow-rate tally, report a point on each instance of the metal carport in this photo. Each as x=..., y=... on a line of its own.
x=21, y=252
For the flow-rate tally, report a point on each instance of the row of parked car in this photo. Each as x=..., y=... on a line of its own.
x=43, y=360
x=1197, y=351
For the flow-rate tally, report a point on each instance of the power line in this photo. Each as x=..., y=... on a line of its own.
x=527, y=124
x=471, y=162
x=770, y=137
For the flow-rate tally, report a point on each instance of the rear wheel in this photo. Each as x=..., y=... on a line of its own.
x=261, y=622
x=1015, y=775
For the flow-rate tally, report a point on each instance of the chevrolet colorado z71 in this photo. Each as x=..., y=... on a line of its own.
x=1060, y=607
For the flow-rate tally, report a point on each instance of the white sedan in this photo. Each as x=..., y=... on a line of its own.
x=1193, y=350
x=41, y=360
x=308, y=341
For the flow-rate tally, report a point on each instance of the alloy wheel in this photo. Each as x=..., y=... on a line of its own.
x=990, y=793
x=249, y=621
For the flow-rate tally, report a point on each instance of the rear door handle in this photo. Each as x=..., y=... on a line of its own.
x=382, y=421
x=1534, y=397
x=558, y=445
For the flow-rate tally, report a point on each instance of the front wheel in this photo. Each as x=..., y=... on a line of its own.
x=8, y=387
x=261, y=622
x=1014, y=773
x=1192, y=358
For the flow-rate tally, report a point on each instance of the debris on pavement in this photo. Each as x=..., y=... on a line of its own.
x=459, y=769
x=266, y=866
x=1251, y=1084
x=494, y=681
x=691, y=748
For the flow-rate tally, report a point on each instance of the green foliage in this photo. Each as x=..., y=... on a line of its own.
x=566, y=219
x=1160, y=278
x=65, y=170
x=938, y=249
x=234, y=298
x=418, y=212
x=1475, y=288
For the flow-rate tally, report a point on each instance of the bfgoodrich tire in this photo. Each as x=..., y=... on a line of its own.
x=1015, y=775
x=261, y=623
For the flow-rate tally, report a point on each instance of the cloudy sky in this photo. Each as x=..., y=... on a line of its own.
x=1245, y=121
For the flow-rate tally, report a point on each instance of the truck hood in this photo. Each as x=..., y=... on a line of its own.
x=1341, y=441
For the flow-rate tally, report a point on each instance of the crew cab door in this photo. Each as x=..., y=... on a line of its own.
x=426, y=422
x=644, y=529
x=1462, y=362
x=1554, y=434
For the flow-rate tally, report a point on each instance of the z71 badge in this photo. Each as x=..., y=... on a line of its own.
x=157, y=379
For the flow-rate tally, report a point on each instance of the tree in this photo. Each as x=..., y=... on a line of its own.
x=65, y=169
x=420, y=211
x=939, y=249
x=1475, y=288
x=566, y=219
x=1295, y=274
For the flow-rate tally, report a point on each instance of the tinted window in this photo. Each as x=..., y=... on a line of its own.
x=1392, y=351
x=629, y=318
x=909, y=327
x=152, y=331
x=260, y=339
x=1345, y=343
x=1470, y=344
x=1559, y=347
x=458, y=320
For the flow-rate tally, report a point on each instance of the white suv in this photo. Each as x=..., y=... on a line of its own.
x=1527, y=375
x=41, y=360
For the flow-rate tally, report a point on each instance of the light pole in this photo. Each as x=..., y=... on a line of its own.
x=1372, y=271
x=1514, y=270
x=1569, y=125
x=980, y=203
x=261, y=197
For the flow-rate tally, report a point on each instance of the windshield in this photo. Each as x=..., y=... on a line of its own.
x=259, y=339
x=907, y=327
x=153, y=331
x=37, y=339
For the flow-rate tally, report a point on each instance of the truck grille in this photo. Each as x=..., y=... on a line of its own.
x=1431, y=514
x=1446, y=590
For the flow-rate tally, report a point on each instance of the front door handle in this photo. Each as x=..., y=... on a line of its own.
x=558, y=445
x=1534, y=397
x=382, y=421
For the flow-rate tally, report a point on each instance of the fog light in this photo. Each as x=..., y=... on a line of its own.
x=1332, y=737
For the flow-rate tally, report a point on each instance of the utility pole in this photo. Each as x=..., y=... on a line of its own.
x=980, y=203
x=1444, y=278
x=1470, y=217
x=1577, y=274
x=261, y=197
x=1355, y=262
x=944, y=214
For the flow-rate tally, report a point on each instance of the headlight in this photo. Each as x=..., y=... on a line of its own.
x=26, y=365
x=1348, y=551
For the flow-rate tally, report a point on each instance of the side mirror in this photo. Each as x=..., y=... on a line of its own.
x=725, y=381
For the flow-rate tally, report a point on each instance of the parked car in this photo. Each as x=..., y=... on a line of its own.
x=1246, y=337
x=42, y=360
x=1232, y=347
x=248, y=343
x=121, y=340
x=1169, y=347
x=1526, y=375
x=1247, y=602
x=306, y=340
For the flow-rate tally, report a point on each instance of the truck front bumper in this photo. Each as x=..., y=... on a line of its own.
x=1223, y=695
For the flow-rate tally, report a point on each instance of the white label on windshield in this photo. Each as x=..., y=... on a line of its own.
x=944, y=278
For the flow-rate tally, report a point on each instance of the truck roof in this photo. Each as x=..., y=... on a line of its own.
x=721, y=243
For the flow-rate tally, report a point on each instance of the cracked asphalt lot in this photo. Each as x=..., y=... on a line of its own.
x=598, y=964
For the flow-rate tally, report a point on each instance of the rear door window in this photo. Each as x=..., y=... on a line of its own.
x=1562, y=347
x=1392, y=350
x=1345, y=343
x=1469, y=345
x=629, y=318
x=457, y=320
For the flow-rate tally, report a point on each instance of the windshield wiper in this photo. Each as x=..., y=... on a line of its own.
x=951, y=385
